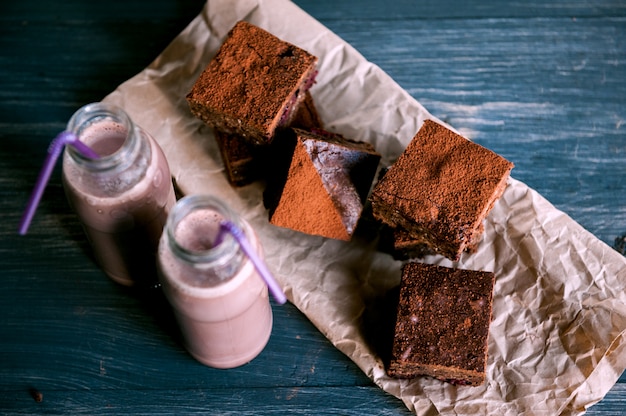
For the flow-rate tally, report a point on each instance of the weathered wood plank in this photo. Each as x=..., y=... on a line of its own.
x=614, y=403
x=83, y=332
x=215, y=401
x=327, y=10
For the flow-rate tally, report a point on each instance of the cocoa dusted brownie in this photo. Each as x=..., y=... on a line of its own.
x=244, y=161
x=322, y=183
x=253, y=85
x=442, y=324
x=440, y=190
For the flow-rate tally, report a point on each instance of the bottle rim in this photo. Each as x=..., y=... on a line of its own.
x=219, y=255
x=93, y=113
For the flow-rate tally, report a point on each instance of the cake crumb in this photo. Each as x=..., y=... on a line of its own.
x=36, y=395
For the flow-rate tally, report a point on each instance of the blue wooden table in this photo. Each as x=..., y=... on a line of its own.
x=541, y=82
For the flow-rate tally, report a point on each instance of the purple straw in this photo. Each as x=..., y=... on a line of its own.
x=54, y=151
x=259, y=264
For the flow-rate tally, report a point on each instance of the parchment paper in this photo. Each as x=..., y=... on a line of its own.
x=557, y=337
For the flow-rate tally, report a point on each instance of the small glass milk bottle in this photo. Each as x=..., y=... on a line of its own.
x=219, y=300
x=122, y=197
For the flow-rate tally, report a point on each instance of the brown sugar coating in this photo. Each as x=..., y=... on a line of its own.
x=253, y=85
x=440, y=189
x=442, y=324
x=323, y=186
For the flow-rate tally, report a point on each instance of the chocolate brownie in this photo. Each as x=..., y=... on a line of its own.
x=322, y=184
x=442, y=324
x=403, y=246
x=406, y=246
x=440, y=190
x=244, y=161
x=253, y=85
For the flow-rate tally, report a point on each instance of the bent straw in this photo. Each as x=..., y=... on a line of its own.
x=54, y=151
x=258, y=263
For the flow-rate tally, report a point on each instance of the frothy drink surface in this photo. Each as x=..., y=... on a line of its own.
x=124, y=228
x=104, y=140
x=224, y=326
x=197, y=232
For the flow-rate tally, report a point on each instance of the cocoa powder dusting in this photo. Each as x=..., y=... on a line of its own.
x=442, y=183
x=250, y=81
x=305, y=205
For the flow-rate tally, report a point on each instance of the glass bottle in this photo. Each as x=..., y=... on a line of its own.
x=220, y=302
x=122, y=197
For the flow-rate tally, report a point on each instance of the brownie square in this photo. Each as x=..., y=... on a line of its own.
x=321, y=183
x=440, y=190
x=442, y=324
x=253, y=85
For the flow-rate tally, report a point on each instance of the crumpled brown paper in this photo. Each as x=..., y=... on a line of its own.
x=557, y=337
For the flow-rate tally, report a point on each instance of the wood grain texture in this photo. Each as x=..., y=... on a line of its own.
x=323, y=401
x=542, y=83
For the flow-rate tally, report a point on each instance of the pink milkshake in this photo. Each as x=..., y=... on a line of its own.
x=122, y=198
x=220, y=302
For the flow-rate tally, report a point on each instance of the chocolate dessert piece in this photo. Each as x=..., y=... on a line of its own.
x=322, y=184
x=442, y=324
x=306, y=116
x=253, y=85
x=399, y=243
x=244, y=161
x=440, y=190
x=406, y=246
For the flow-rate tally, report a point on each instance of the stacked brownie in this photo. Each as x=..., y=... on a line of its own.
x=435, y=198
x=255, y=94
x=244, y=161
x=439, y=191
x=254, y=84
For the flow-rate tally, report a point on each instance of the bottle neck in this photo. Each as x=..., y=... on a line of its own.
x=191, y=235
x=124, y=152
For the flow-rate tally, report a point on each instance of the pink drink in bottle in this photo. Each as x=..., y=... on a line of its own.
x=124, y=196
x=220, y=301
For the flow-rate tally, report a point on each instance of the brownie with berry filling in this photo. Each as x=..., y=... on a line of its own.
x=254, y=84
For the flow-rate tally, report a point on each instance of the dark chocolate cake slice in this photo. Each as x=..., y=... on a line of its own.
x=442, y=324
x=440, y=190
x=253, y=85
x=323, y=184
